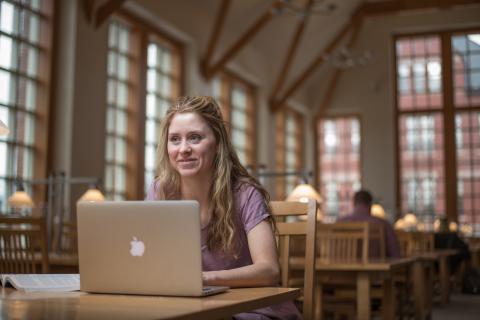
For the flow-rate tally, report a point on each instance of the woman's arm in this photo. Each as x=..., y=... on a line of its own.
x=265, y=269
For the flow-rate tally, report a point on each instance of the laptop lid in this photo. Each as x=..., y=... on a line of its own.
x=140, y=247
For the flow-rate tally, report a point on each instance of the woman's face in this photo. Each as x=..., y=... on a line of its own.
x=191, y=145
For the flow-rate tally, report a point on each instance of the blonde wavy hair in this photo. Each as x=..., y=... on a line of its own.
x=229, y=174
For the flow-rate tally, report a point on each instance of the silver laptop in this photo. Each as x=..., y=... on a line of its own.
x=141, y=247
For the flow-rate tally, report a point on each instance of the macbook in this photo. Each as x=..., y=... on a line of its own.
x=141, y=247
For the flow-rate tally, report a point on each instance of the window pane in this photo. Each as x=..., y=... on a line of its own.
x=422, y=165
x=117, y=120
x=419, y=73
x=162, y=89
x=339, y=164
x=468, y=152
x=466, y=69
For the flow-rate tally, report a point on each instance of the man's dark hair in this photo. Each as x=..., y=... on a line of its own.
x=362, y=197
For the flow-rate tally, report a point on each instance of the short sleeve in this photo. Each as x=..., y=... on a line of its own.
x=152, y=191
x=251, y=206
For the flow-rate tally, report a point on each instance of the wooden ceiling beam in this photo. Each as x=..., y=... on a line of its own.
x=243, y=40
x=317, y=62
x=389, y=7
x=106, y=10
x=217, y=31
x=332, y=84
x=291, y=52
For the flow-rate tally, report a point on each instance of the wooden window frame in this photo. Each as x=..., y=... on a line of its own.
x=281, y=147
x=135, y=179
x=227, y=81
x=448, y=112
x=318, y=154
x=42, y=111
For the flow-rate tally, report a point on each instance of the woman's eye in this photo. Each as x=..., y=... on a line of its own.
x=174, y=140
x=195, y=138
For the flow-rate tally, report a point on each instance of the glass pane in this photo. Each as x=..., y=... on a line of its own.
x=238, y=138
x=422, y=165
x=109, y=147
x=123, y=40
x=3, y=159
x=8, y=17
x=239, y=119
x=165, y=89
x=166, y=62
x=339, y=164
x=151, y=80
x=32, y=64
x=120, y=155
x=152, y=55
x=119, y=179
x=150, y=157
x=239, y=99
x=467, y=127
x=151, y=106
x=34, y=29
x=112, y=35
x=30, y=95
x=6, y=88
x=122, y=95
x=112, y=63
x=150, y=131
x=122, y=67
x=121, y=127
x=6, y=47
x=419, y=73
x=466, y=69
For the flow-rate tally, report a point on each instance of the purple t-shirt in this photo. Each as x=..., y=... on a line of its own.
x=251, y=210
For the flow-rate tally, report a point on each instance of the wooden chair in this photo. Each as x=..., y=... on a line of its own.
x=23, y=245
x=344, y=241
x=347, y=242
x=286, y=230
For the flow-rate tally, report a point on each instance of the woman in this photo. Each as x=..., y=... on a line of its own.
x=197, y=161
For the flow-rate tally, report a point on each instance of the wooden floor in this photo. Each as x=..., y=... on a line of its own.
x=461, y=306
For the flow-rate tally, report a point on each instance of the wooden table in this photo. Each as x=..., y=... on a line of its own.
x=364, y=273
x=441, y=256
x=79, y=305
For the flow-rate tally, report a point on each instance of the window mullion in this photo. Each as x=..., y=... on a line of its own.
x=449, y=129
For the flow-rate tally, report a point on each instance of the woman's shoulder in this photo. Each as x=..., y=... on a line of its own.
x=245, y=190
x=153, y=190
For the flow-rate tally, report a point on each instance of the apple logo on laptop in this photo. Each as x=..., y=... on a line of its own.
x=137, y=247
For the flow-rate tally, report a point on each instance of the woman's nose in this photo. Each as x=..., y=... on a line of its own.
x=185, y=147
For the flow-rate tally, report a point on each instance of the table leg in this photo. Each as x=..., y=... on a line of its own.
x=318, y=301
x=444, y=280
x=363, y=296
x=420, y=290
x=388, y=299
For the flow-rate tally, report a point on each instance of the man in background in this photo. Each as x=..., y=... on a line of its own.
x=362, y=204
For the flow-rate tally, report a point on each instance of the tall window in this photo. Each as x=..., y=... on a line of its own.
x=289, y=146
x=466, y=87
x=25, y=35
x=163, y=86
x=236, y=99
x=438, y=100
x=339, y=163
x=119, y=108
x=144, y=78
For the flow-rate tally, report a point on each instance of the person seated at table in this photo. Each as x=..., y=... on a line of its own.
x=362, y=204
x=197, y=161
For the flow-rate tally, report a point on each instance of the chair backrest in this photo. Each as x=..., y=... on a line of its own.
x=23, y=245
x=415, y=242
x=289, y=228
x=377, y=239
x=343, y=241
